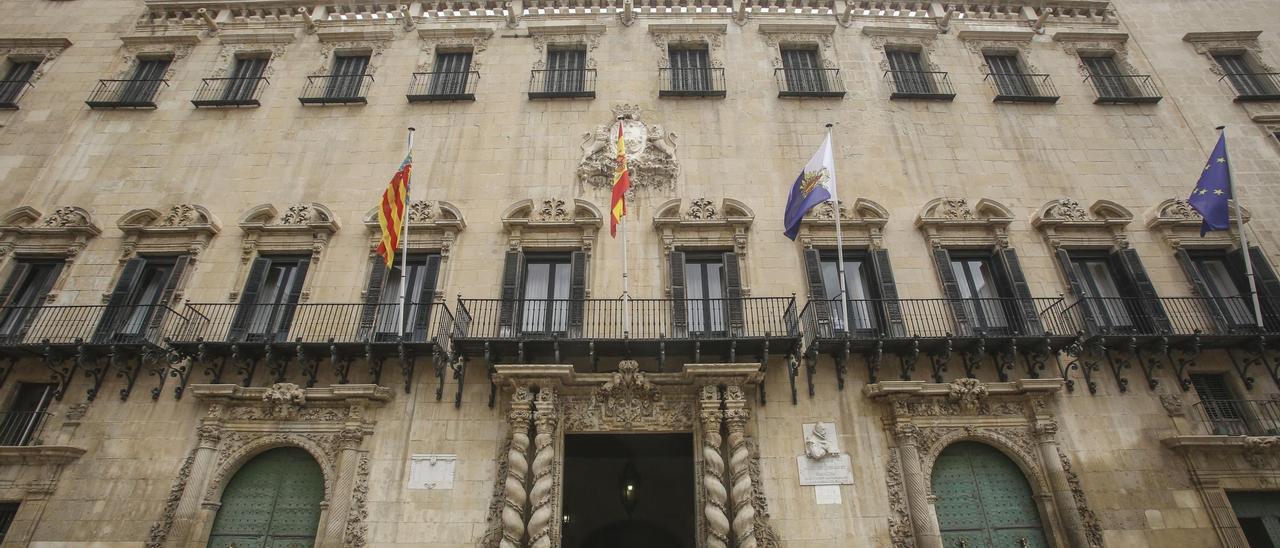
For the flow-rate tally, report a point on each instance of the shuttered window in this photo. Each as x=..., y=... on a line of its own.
x=546, y=294
x=1107, y=77
x=803, y=70
x=566, y=71
x=908, y=72
x=1009, y=75
x=23, y=293
x=348, y=78
x=15, y=79
x=1220, y=406
x=690, y=68
x=272, y=501
x=22, y=422
x=8, y=510
x=245, y=76
x=145, y=81
x=984, y=500
x=1242, y=75
x=271, y=293
x=451, y=72
x=1223, y=288
x=859, y=315
x=980, y=290
x=1103, y=295
x=136, y=309
x=1259, y=516
x=382, y=299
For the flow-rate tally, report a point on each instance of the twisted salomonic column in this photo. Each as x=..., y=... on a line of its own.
x=540, y=495
x=517, y=471
x=713, y=492
x=744, y=514
x=924, y=521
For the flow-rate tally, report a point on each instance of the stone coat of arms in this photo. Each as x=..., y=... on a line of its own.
x=651, y=152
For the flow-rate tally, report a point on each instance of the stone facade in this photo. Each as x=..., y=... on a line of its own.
x=1108, y=438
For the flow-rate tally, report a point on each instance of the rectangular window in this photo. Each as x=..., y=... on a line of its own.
x=690, y=68
x=1233, y=301
x=1221, y=408
x=451, y=72
x=908, y=72
x=1010, y=77
x=147, y=76
x=270, y=296
x=1108, y=79
x=980, y=290
x=1247, y=80
x=26, y=414
x=546, y=294
x=137, y=306
x=704, y=275
x=566, y=71
x=16, y=79
x=347, y=79
x=24, y=292
x=1106, y=301
x=860, y=313
x=8, y=510
x=419, y=295
x=803, y=70
x=246, y=75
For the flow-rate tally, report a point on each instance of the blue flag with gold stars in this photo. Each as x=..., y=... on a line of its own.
x=1213, y=190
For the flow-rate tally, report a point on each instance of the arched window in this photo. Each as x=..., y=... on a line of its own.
x=984, y=500
x=274, y=500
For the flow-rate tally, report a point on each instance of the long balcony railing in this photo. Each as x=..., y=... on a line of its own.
x=345, y=89
x=1125, y=88
x=911, y=84
x=315, y=323
x=125, y=93
x=443, y=86
x=809, y=82
x=89, y=324
x=1176, y=316
x=936, y=318
x=562, y=84
x=691, y=82
x=22, y=428
x=11, y=91
x=1240, y=417
x=1018, y=87
x=1255, y=86
x=229, y=92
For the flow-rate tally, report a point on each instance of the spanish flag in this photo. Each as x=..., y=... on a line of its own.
x=391, y=212
x=621, y=182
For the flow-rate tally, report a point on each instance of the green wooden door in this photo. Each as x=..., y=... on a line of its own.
x=983, y=500
x=272, y=502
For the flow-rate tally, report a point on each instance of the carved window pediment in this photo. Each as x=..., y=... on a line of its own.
x=552, y=223
x=184, y=228
x=1064, y=222
x=952, y=222
x=270, y=45
x=709, y=35
x=436, y=40
x=432, y=225
x=174, y=46
x=45, y=50
x=862, y=224
x=701, y=223
x=301, y=228
x=1179, y=224
x=63, y=232
x=558, y=35
x=779, y=36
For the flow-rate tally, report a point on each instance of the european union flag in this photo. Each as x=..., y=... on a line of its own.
x=1213, y=190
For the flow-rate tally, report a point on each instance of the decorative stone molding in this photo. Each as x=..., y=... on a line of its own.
x=894, y=38
x=710, y=35
x=1173, y=404
x=982, y=42
x=584, y=36
x=862, y=224
x=267, y=44
x=1217, y=464
x=705, y=225
x=331, y=424
x=651, y=153
x=951, y=222
x=1179, y=225
x=435, y=40
x=302, y=227
x=433, y=226
x=338, y=41
x=63, y=233
x=1064, y=222
x=549, y=223
x=1096, y=44
x=45, y=50
x=174, y=46
x=818, y=35
x=183, y=229
x=1242, y=42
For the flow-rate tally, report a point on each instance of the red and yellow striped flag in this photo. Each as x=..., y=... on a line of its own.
x=391, y=212
x=621, y=182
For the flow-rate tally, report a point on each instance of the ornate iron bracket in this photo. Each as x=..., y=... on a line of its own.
x=93, y=369
x=1189, y=352
x=1084, y=362
x=1006, y=360
x=277, y=366
x=459, y=373
x=408, y=362
x=489, y=361
x=1036, y=357
x=125, y=369
x=1119, y=361
x=842, y=361
x=1256, y=352
x=907, y=362
x=1242, y=368
x=245, y=365
x=4, y=371
x=341, y=366
x=940, y=360
x=376, y=362
x=763, y=358
x=811, y=366
x=310, y=365
x=159, y=362
x=793, y=369
x=973, y=360
x=873, y=360
x=1150, y=360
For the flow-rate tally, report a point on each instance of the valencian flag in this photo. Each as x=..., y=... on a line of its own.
x=621, y=182
x=816, y=184
x=1213, y=190
x=391, y=212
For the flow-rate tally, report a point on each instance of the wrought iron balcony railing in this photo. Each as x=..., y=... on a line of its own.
x=336, y=90
x=11, y=91
x=91, y=324
x=1127, y=88
x=1240, y=417
x=1255, y=86
x=443, y=86
x=327, y=323
x=22, y=428
x=691, y=82
x=910, y=84
x=1018, y=87
x=229, y=92
x=562, y=84
x=808, y=82
x=125, y=93
x=1171, y=316
x=936, y=318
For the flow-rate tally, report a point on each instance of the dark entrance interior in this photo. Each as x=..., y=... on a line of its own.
x=657, y=469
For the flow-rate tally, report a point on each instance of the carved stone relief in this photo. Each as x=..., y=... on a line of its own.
x=651, y=153
x=1092, y=526
x=183, y=228
x=587, y=40
x=43, y=50
x=953, y=222
x=434, y=41
x=711, y=38
x=63, y=232
x=174, y=48
x=822, y=41
x=373, y=48
x=229, y=52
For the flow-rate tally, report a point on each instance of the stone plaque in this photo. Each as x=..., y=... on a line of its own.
x=431, y=471
x=822, y=462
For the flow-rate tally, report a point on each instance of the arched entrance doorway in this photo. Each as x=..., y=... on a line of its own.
x=984, y=500
x=273, y=500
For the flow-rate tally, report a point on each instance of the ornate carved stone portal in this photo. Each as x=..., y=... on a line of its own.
x=549, y=401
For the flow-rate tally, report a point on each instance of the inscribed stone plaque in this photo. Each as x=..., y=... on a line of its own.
x=431, y=471
x=833, y=470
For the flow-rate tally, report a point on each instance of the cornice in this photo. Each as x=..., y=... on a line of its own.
x=1222, y=36
x=40, y=454
x=179, y=38
x=1091, y=37
x=52, y=42
x=560, y=28
x=898, y=31
x=797, y=28
x=355, y=35
x=884, y=389
x=996, y=35
x=335, y=393
x=688, y=28
x=455, y=32
x=256, y=37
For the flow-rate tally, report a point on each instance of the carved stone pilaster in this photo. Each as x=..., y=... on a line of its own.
x=925, y=521
x=744, y=514
x=714, y=495
x=542, y=493
x=1053, y=459
x=516, y=493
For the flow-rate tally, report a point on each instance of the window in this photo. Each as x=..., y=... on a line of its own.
x=135, y=311
x=246, y=75
x=1259, y=517
x=451, y=72
x=1248, y=81
x=706, y=293
x=1011, y=79
x=22, y=295
x=1232, y=301
x=909, y=75
x=803, y=70
x=1223, y=411
x=382, y=301
x=348, y=78
x=860, y=311
x=1102, y=293
x=8, y=510
x=271, y=294
x=273, y=500
x=1108, y=79
x=546, y=294
x=22, y=423
x=147, y=76
x=16, y=80
x=983, y=499
x=979, y=289
x=690, y=68
x=566, y=71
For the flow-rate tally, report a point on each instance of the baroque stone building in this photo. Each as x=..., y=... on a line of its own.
x=198, y=346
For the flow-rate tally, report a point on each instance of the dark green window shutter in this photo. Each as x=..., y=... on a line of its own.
x=1150, y=306
x=1082, y=306
x=1268, y=286
x=733, y=290
x=17, y=276
x=162, y=306
x=272, y=501
x=891, y=308
x=818, y=293
x=1024, y=305
x=426, y=299
x=983, y=499
x=679, y=308
x=511, y=267
x=1207, y=302
x=295, y=294
x=117, y=305
x=248, y=299
x=577, y=291
x=951, y=291
x=372, y=297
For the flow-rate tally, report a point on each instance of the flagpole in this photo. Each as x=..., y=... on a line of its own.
x=404, y=238
x=1244, y=240
x=626, y=295
x=835, y=203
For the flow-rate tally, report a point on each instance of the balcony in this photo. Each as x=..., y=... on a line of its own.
x=1020, y=87
x=125, y=94
x=11, y=91
x=229, y=92
x=932, y=86
x=82, y=326
x=1214, y=322
x=892, y=323
x=1239, y=417
x=443, y=86
x=1124, y=89
x=22, y=429
x=806, y=82
x=562, y=84
x=1255, y=86
x=336, y=90
x=691, y=82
